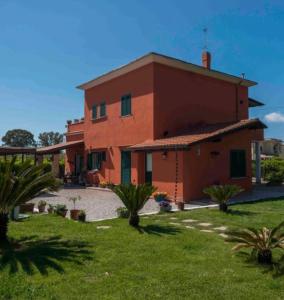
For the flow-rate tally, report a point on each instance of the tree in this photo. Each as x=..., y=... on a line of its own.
x=134, y=198
x=18, y=138
x=50, y=138
x=222, y=193
x=19, y=184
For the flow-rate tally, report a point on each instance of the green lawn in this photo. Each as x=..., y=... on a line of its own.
x=62, y=259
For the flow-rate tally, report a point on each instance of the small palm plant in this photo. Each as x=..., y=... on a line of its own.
x=134, y=198
x=222, y=193
x=261, y=241
x=19, y=184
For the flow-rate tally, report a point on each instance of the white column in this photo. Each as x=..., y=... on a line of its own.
x=257, y=163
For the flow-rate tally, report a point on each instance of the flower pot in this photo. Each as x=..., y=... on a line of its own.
x=180, y=205
x=264, y=257
x=82, y=218
x=223, y=207
x=27, y=207
x=41, y=208
x=62, y=213
x=160, y=198
x=74, y=213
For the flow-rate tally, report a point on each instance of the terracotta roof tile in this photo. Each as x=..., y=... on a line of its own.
x=198, y=135
x=58, y=147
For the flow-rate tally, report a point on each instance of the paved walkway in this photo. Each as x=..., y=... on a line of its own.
x=98, y=204
x=102, y=204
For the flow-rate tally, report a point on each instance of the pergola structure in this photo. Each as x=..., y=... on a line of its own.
x=38, y=153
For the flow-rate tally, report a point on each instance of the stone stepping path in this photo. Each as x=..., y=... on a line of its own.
x=190, y=227
x=221, y=228
x=103, y=227
x=207, y=230
x=204, y=224
x=223, y=235
x=189, y=221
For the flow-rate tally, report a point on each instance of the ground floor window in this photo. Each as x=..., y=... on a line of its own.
x=238, y=163
x=95, y=160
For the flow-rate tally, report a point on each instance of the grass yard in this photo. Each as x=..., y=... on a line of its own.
x=61, y=259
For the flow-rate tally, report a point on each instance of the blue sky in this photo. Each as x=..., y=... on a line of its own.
x=49, y=47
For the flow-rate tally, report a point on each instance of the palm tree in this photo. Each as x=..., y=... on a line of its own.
x=134, y=198
x=19, y=184
x=262, y=241
x=222, y=193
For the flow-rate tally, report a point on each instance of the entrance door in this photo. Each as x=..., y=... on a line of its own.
x=125, y=167
x=148, y=168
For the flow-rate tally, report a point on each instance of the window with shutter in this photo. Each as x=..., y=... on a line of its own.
x=238, y=163
x=102, y=109
x=94, y=112
x=126, y=105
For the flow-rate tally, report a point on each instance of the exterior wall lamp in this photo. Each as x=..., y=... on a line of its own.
x=165, y=155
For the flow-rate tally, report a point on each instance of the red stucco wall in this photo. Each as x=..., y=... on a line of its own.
x=184, y=99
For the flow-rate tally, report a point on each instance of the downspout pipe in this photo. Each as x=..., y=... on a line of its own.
x=237, y=99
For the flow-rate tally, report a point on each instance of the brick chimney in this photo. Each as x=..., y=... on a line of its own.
x=206, y=59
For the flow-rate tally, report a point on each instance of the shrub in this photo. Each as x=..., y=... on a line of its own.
x=261, y=241
x=103, y=184
x=134, y=198
x=222, y=193
x=273, y=170
x=122, y=212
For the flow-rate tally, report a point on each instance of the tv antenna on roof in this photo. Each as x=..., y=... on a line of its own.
x=205, y=31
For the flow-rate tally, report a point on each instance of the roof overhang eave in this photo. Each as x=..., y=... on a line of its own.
x=169, y=61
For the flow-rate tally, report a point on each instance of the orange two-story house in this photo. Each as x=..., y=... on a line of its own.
x=168, y=122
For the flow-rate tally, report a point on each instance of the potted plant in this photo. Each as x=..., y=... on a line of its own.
x=160, y=196
x=222, y=194
x=122, y=212
x=103, y=184
x=180, y=205
x=61, y=210
x=262, y=241
x=27, y=208
x=82, y=216
x=41, y=206
x=50, y=209
x=165, y=206
x=74, y=212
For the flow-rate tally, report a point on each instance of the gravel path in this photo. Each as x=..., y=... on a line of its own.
x=98, y=204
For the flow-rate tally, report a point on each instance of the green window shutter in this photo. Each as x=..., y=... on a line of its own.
x=126, y=105
x=238, y=163
x=94, y=112
x=90, y=161
x=102, y=109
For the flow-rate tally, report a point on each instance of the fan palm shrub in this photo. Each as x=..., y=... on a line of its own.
x=222, y=193
x=262, y=241
x=19, y=184
x=134, y=198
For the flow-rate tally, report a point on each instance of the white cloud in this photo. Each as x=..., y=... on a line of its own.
x=275, y=117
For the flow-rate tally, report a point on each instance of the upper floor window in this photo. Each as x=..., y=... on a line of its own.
x=126, y=105
x=94, y=112
x=238, y=163
x=102, y=109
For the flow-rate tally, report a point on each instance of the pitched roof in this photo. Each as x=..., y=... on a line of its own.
x=56, y=148
x=165, y=60
x=254, y=102
x=199, y=135
x=17, y=150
